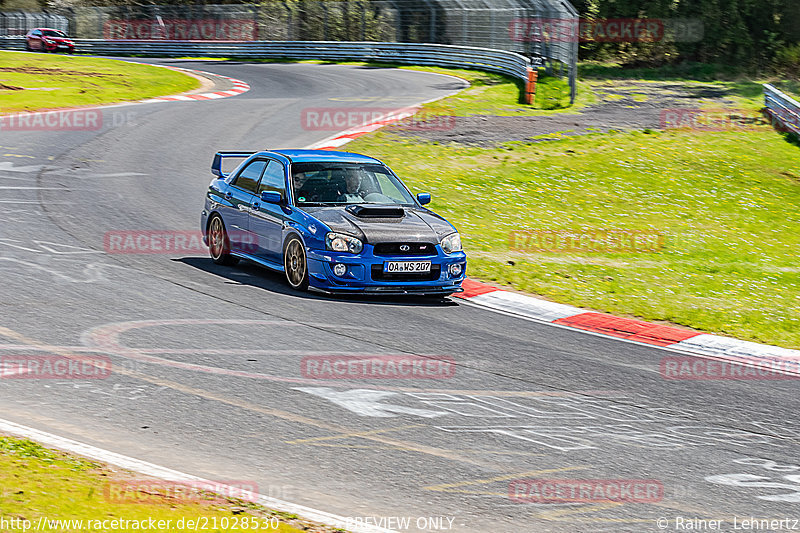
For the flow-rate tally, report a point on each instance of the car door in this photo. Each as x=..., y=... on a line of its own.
x=267, y=219
x=36, y=40
x=241, y=195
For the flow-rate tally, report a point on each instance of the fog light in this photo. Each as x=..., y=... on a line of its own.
x=455, y=270
x=340, y=270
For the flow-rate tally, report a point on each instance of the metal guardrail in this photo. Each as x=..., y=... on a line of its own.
x=500, y=61
x=16, y=23
x=784, y=110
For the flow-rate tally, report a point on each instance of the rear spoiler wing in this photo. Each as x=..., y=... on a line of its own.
x=216, y=165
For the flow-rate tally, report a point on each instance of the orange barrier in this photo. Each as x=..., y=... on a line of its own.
x=530, y=86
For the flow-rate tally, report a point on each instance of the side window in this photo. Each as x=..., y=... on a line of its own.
x=248, y=177
x=37, y=32
x=273, y=179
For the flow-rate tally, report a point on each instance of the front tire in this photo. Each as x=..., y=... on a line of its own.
x=219, y=245
x=295, y=264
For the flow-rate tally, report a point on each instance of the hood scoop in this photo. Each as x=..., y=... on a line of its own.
x=376, y=211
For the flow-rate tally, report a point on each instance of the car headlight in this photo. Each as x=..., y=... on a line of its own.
x=339, y=242
x=451, y=243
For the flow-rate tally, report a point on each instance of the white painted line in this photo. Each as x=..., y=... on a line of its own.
x=167, y=474
x=335, y=143
x=728, y=347
x=526, y=305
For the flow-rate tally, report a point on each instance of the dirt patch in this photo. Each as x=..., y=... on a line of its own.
x=791, y=176
x=4, y=87
x=636, y=106
x=55, y=72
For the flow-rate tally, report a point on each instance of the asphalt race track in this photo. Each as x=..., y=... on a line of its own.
x=207, y=375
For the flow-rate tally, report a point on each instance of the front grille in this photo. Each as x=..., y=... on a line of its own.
x=414, y=248
x=379, y=275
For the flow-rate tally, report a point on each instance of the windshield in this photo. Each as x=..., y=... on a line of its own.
x=53, y=33
x=347, y=183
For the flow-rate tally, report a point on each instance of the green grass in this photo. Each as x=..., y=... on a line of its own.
x=29, y=82
x=727, y=202
x=36, y=482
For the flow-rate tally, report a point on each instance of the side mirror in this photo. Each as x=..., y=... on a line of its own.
x=271, y=197
x=424, y=198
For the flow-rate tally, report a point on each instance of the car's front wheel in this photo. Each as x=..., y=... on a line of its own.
x=295, y=264
x=219, y=245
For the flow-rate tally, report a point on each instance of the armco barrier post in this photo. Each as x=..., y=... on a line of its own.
x=530, y=87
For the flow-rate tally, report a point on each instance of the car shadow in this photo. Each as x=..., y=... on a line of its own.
x=253, y=275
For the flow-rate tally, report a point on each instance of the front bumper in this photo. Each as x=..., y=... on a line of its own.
x=53, y=47
x=364, y=273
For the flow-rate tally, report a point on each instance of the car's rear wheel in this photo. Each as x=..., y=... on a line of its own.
x=295, y=264
x=219, y=245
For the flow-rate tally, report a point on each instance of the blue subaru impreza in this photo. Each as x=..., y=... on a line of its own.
x=334, y=221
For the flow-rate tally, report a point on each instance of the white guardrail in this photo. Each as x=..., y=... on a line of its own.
x=784, y=109
x=500, y=61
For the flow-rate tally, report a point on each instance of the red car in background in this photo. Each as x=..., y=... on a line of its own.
x=48, y=40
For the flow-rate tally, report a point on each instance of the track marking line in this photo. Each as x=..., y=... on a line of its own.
x=446, y=487
x=167, y=474
x=277, y=413
x=359, y=434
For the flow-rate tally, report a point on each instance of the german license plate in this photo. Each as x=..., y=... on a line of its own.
x=401, y=267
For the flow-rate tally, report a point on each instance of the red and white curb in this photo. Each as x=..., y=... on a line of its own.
x=344, y=137
x=239, y=87
x=638, y=331
x=166, y=474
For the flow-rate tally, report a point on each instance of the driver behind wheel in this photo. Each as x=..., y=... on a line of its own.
x=353, y=192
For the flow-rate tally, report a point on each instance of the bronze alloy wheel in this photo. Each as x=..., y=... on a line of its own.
x=218, y=244
x=294, y=262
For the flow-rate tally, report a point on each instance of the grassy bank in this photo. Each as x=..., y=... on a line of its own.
x=31, y=81
x=725, y=201
x=41, y=484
